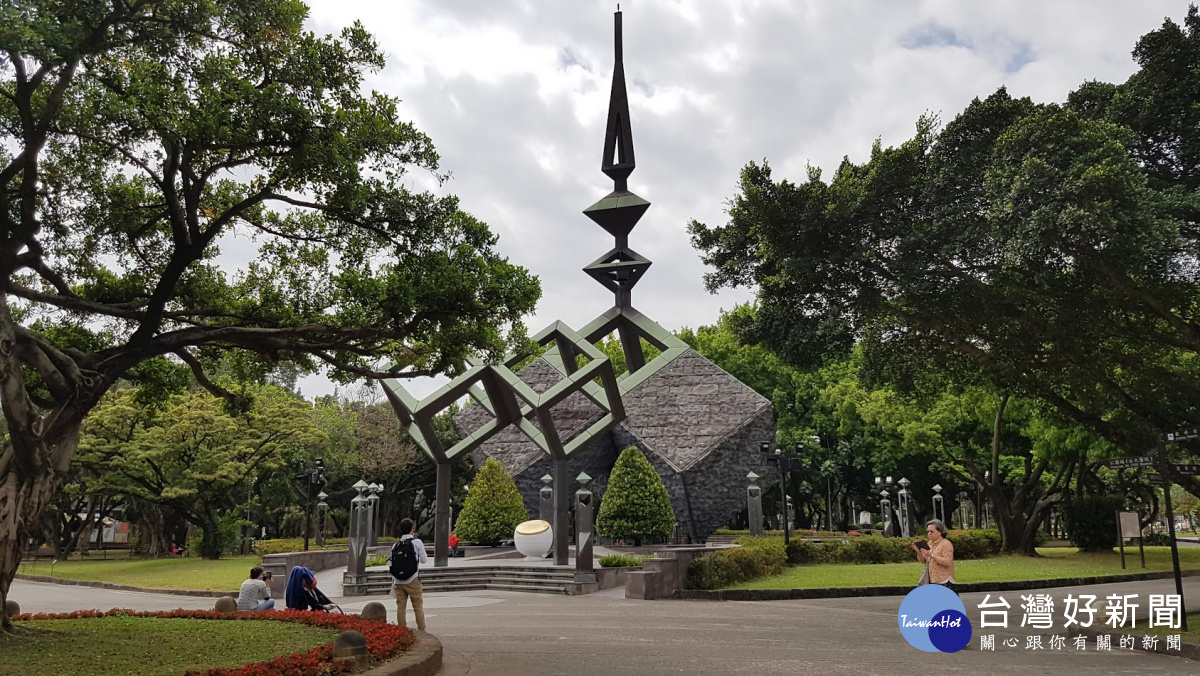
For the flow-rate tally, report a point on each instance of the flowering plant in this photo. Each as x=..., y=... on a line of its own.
x=384, y=640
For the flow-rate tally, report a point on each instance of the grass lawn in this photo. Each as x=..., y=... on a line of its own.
x=224, y=574
x=1054, y=562
x=1190, y=636
x=140, y=645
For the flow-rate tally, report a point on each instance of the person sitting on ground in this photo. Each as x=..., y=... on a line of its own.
x=938, y=558
x=255, y=593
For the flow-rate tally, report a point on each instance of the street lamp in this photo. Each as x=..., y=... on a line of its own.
x=882, y=485
x=980, y=503
x=322, y=516
x=373, y=491
x=312, y=477
x=785, y=464
x=939, y=506
x=904, y=494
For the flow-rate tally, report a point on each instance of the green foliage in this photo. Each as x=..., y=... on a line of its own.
x=1091, y=521
x=289, y=545
x=620, y=560
x=493, y=508
x=193, y=456
x=635, y=505
x=754, y=558
x=1156, y=539
x=869, y=549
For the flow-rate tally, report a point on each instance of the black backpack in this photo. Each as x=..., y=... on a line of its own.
x=404, y=562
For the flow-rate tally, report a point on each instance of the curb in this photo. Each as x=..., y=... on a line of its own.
x=1188, y=651
x=424, y=659
x=898, y=590
x=204, y=593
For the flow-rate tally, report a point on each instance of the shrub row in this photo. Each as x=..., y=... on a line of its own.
x=798, y=533
x=756, y=557
x=620, y=560
x=968, y=544
x=288, y=545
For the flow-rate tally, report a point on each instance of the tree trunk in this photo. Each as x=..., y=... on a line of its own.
x=210, y=538
x=23, y=496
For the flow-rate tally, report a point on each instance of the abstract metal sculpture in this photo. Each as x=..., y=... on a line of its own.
x=721, y=418
x=585, y=570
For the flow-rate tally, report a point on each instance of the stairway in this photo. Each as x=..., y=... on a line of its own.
x=535, y=579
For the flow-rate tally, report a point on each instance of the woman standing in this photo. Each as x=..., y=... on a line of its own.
x=938, y=558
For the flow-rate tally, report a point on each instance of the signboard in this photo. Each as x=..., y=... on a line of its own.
x=1125, y=463
x=1187, y=470
x=1158, y=480
x=1129, y=525
x=1181, y=435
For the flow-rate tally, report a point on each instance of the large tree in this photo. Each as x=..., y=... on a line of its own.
x=193, y=456
x=139, y=138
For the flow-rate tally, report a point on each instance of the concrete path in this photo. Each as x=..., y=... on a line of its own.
x=524, y=634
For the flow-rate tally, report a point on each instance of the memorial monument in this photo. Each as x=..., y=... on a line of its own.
x=569, y=412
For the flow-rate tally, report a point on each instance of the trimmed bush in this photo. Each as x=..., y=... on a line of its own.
x=635, y=505
x=288, y=545
x=968, y=544
x=1091, y=521
x=1156, y=540
x=493, y=507
x=756, y=557
x=620, y=560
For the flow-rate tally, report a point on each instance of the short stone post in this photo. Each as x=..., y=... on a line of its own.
x=754, y=505
x=584, y=570
x=352, y=645
x=546, y=507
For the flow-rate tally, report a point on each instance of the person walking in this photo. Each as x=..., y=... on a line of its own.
x=255, y=594
x=407, y=555
x=937, y=555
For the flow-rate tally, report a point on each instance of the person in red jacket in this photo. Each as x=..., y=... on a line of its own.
x=453, y=544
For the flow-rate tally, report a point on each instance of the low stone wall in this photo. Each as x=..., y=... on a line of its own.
x=614, y=577
x=664, y=575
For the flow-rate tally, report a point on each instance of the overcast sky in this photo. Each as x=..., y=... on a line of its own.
x=514, y=95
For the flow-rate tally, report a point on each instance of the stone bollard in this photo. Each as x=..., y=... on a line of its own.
x=352, y=645
x=226, y=604
x=374, y=611
x=11, y=608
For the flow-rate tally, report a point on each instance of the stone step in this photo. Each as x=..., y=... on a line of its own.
x=478, y=579
x=469, y=584
x=475, y=572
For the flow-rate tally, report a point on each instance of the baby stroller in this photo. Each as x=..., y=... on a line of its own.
x=302, y=593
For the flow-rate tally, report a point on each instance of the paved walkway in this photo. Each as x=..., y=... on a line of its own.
x=524, y=634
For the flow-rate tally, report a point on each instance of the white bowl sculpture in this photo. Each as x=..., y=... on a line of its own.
x=534, y=539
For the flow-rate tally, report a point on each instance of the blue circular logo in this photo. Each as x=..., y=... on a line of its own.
x=932, y=618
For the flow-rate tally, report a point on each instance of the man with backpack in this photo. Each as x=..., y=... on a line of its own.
x=407, y=555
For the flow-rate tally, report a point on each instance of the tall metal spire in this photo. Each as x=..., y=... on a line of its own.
x=621, y=268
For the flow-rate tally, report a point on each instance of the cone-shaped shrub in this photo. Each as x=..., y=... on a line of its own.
x=635, y=505
x=493, y=507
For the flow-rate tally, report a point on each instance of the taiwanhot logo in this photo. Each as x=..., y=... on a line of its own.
x=932, y=618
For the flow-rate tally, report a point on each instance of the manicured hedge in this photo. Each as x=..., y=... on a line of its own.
x=756, y=557
x=1091, y=521
x=968, y=544
x=288, y=545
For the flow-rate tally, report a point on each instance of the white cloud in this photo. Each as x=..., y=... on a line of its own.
x=514, y=96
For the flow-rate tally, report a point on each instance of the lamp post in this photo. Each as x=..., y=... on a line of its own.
x=322, y=515
x=904, y=496
x=312, y=477
x=882, y=485
x=373, y=491
x=754, y=505
x=981, y=503
x=785, y=463
x=939, y=506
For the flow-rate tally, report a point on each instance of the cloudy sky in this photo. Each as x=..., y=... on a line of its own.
x=514, y=95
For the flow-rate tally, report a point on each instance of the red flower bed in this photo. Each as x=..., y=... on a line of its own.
x=384, y=640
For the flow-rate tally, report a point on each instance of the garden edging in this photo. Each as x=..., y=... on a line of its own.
x=901, y=590
x=423, y=659
x=209, y=593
